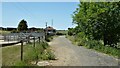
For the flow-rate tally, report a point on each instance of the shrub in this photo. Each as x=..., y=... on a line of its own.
x=44, y=45
x=47, y=55
x=58, y=33
x=31, y=54
x=98, y=45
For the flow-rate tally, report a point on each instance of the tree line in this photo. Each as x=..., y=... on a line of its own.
x=23, y=27
x=98, y=21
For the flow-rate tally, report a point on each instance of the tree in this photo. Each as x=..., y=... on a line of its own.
x=99, y=21
x=70, y=31
x=22, y=26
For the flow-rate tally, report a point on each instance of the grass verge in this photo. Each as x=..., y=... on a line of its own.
x=4, y=32
x=11, y=54
x=96, y=45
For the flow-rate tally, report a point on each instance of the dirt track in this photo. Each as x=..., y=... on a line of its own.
x=71, y=55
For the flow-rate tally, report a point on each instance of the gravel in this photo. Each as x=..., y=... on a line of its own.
x=72, y=55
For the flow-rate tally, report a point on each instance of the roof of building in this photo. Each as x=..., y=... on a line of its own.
x=49, y=28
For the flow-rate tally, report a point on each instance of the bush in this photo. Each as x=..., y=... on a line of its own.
x=47, y=55
x=44, y=45
x=40, y=52
x=14, y=31
x=81, y=40
x=58, y=33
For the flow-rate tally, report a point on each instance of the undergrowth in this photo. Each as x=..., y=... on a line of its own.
x=31, y=54
x=94, y=44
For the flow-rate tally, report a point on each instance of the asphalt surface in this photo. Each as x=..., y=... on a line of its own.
x=71, y=55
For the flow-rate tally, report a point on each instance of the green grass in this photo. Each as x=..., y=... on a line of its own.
x=71, y=38
x=96, y=45
x=4, y=32
x=47, y=55
x=108, y=50
x=11, y=55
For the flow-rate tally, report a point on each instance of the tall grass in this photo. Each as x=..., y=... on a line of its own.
x=11, y=55
x=96, y=45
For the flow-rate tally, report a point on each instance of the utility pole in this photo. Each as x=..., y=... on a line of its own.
x=52, y=23
x=46, y=31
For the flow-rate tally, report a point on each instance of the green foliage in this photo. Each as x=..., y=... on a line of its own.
x=34, y=53
x=95, y=44
x=3, y=32
x=11, y=55
x=44, y=45
x=49, y=38
x=22, y=26
x=31, y=54
x=70, y=31
x=47, y=55
x=14, y=31
x=98, y=21
x=58, y=33
x=61, y=32
x=20, y=63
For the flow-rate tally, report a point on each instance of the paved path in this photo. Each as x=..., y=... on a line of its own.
x=71, y=55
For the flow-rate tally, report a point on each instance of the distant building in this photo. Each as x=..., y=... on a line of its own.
x=32, y=29
x=50, y=30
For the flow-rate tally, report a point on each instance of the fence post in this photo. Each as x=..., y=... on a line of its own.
x=8, y=39
x=28, y=39
x=14, y=38
x=34, y=42
x=4, y=37
x=39, y=39
x=21, y=50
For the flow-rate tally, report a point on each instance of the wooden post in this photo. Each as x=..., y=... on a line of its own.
x=8, y=38
x=21, y=50
x=34, y=42
x=39, y=39
x=28, y=39
x=14, y=37
x=4, y=37
x=43, y=38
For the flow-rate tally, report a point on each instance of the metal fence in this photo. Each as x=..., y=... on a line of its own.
x=25, y=37
x=21, y=36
